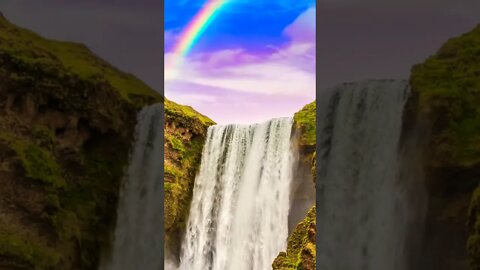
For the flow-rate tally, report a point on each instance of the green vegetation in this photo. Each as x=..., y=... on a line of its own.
x=173, y=171
x=473, y=244
x=185, y=113
x=448, y=88
x=446, y=95
x=314, y=166
x=27, y=51
x=39, y=164
x=66, y=128
x=184, y=136
x=77, y=208
x=304, y=120
x=26, y=253
x=301, y=251
x=176, y=143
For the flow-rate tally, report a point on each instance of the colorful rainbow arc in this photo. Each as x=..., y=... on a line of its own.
x=192, y=33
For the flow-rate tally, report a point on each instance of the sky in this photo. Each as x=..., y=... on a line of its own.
x=255, y=61
x=377, y=39
x=358, y=39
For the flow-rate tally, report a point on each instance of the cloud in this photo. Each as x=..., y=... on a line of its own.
x=303, y=28
x=288, y=70
x=170, y=38
x=275, y=81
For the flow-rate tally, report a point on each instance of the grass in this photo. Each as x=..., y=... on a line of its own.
x=187, y=112
x=26, y=253
x=301, y=251
x=473, y=242
x=448, y=85
x=175, y=142
x=39, y=163
x=305, y=121
x=28, y=50
x=68, y=225
x=171, y=170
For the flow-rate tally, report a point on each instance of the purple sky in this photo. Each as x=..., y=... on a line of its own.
x=238, y=83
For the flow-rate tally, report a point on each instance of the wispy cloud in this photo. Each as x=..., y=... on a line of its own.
x=285, y=74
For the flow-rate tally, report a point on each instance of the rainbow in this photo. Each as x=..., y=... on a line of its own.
x=192, y=33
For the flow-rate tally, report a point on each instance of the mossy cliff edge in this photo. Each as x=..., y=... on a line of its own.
x=445, y=98
x=301, y=248
x=185, y=132
x=66, y=126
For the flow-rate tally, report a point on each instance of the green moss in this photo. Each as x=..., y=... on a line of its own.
x=30, y=52
x=301, y=250
x=71, y=214
x=304, y=120
x=448, y=88
x=178, y=193
x=38, y=162
x=171, y=170
x=44, y=135
x=26, y=253
x=78, y=212
x=473, y=243
x=176, y=143
x=187, y=113
x=171, y=187
x=185, y=135
x=314, y=166
x=193, y=154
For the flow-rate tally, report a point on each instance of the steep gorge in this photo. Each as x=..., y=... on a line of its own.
x=398, y=182
x=66, y=126
x=185, y=134
x=301, y=243
x=445, y=98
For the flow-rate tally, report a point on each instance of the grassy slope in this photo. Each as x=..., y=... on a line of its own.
x=57, y=198
x=448, y=85
x=301, y=250
x=184, y=139
x=31, y=50
x=447, y=89
x=304, y=120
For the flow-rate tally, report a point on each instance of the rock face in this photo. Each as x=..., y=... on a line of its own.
x=301, y=251
x=66, y=125
x=445, y=101
x=185, y=131
x=303, y=195
x=301, y=246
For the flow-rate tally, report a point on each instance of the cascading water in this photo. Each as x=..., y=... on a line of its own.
x=138, y=238
x=365, y=207
x=239, y=212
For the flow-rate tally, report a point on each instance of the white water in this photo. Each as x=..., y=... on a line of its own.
x=364, y=209
x=239, y=213
x=138, y=237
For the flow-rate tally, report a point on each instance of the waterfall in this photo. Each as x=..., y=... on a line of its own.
x=239, y=212
x=138, y=237
x=365, y=207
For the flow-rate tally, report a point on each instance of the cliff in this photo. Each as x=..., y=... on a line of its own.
x=185, y=131
x=445, y=102
x=301, y=251
x=66, y=126
x=304, y=127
